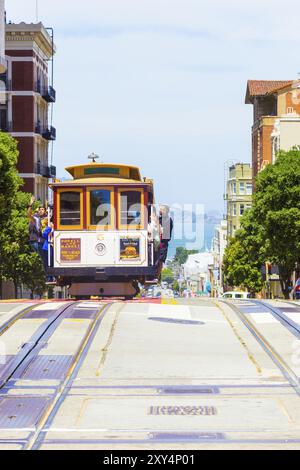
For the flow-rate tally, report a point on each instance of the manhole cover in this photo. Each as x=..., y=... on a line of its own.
x=289, y=309
x=202, y=436
x=176, y=320
x=21, y=412
x=187, y=390
x=46, y=367
x=183, y=410
x=39, y=314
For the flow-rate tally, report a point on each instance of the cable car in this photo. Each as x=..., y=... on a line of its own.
x=102, y=243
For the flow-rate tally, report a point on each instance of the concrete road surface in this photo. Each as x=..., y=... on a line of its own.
x=194, y=374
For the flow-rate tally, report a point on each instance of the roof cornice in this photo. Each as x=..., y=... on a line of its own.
x=30, y=33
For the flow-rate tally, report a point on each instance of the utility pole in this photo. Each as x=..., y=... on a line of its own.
x=37, y=10
x=3, y=64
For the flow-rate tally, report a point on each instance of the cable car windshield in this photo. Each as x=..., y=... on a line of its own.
x=100, y=207
x=131, y=208
x=70, y=208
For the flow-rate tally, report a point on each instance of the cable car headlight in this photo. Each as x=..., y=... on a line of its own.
x=100, y=249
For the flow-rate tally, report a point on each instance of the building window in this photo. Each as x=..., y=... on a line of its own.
x=234, y=209
x=242, y=209
x=249, y=188
x=3, y=118
x=234, y=188
x=242, y=188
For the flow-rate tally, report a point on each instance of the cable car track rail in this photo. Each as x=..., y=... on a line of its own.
x=36, y=439
x=26, y=358
x=292, y=326
x=16, y=317
x=287, y=372
x=29, y=350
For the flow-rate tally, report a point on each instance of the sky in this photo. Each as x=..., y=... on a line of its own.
x=161, y=83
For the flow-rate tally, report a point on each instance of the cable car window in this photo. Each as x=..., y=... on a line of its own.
x=70, y=208
x=131, y=208
x=100, y=207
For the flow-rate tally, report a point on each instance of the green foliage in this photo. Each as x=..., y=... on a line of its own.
x=277, y=210
x=182, y=254
x=167, y=275
x=9, y=185
x=243, y=257
x=17, y=262
x=270, y=230
x=176, y=286
x=9, y=179
x=21, y=265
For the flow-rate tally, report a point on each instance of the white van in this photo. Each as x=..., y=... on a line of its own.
x=236, y=295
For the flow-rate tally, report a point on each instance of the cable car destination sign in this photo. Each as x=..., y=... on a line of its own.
x=70, y=250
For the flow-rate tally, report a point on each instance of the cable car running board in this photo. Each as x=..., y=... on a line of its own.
x=104, y=289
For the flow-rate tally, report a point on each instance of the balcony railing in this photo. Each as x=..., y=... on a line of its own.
x=49, y=94
x=8, y=83
x=6, y=127
x=46, y=171
x=48, y=133
x=52, y=171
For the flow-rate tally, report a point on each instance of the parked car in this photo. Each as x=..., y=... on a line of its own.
x=296, y=290
x=236, y=295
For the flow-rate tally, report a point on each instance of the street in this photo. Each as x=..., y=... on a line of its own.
x=170, y=374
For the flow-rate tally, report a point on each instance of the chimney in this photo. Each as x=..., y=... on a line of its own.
x=3, y=64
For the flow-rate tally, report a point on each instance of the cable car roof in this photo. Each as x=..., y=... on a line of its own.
x=90, y=174
x=104, y=170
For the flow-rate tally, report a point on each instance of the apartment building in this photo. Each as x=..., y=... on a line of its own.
x=26, y=97
x=276, y=119
x=238, y=195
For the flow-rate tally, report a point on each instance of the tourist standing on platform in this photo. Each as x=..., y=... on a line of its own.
x=37, y=221
x=166, y=223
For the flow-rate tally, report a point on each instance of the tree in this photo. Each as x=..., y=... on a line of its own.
x=18, y=262
x=176, y=286
x=244, y=256
x=276, y=208
x=10, y=182
x=33, y=275
x=9, y=186
x=270, y=230
x=182, y=254
x=167, y=275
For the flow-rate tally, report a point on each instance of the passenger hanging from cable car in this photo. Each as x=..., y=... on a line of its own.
x=167, y=224
x=37, y=221
x=48, y=258
x=154, y=233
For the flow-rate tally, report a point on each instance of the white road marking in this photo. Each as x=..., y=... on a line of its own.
x=293, y=316
x=50, y=306
x=263, y=317
x=74, y=430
